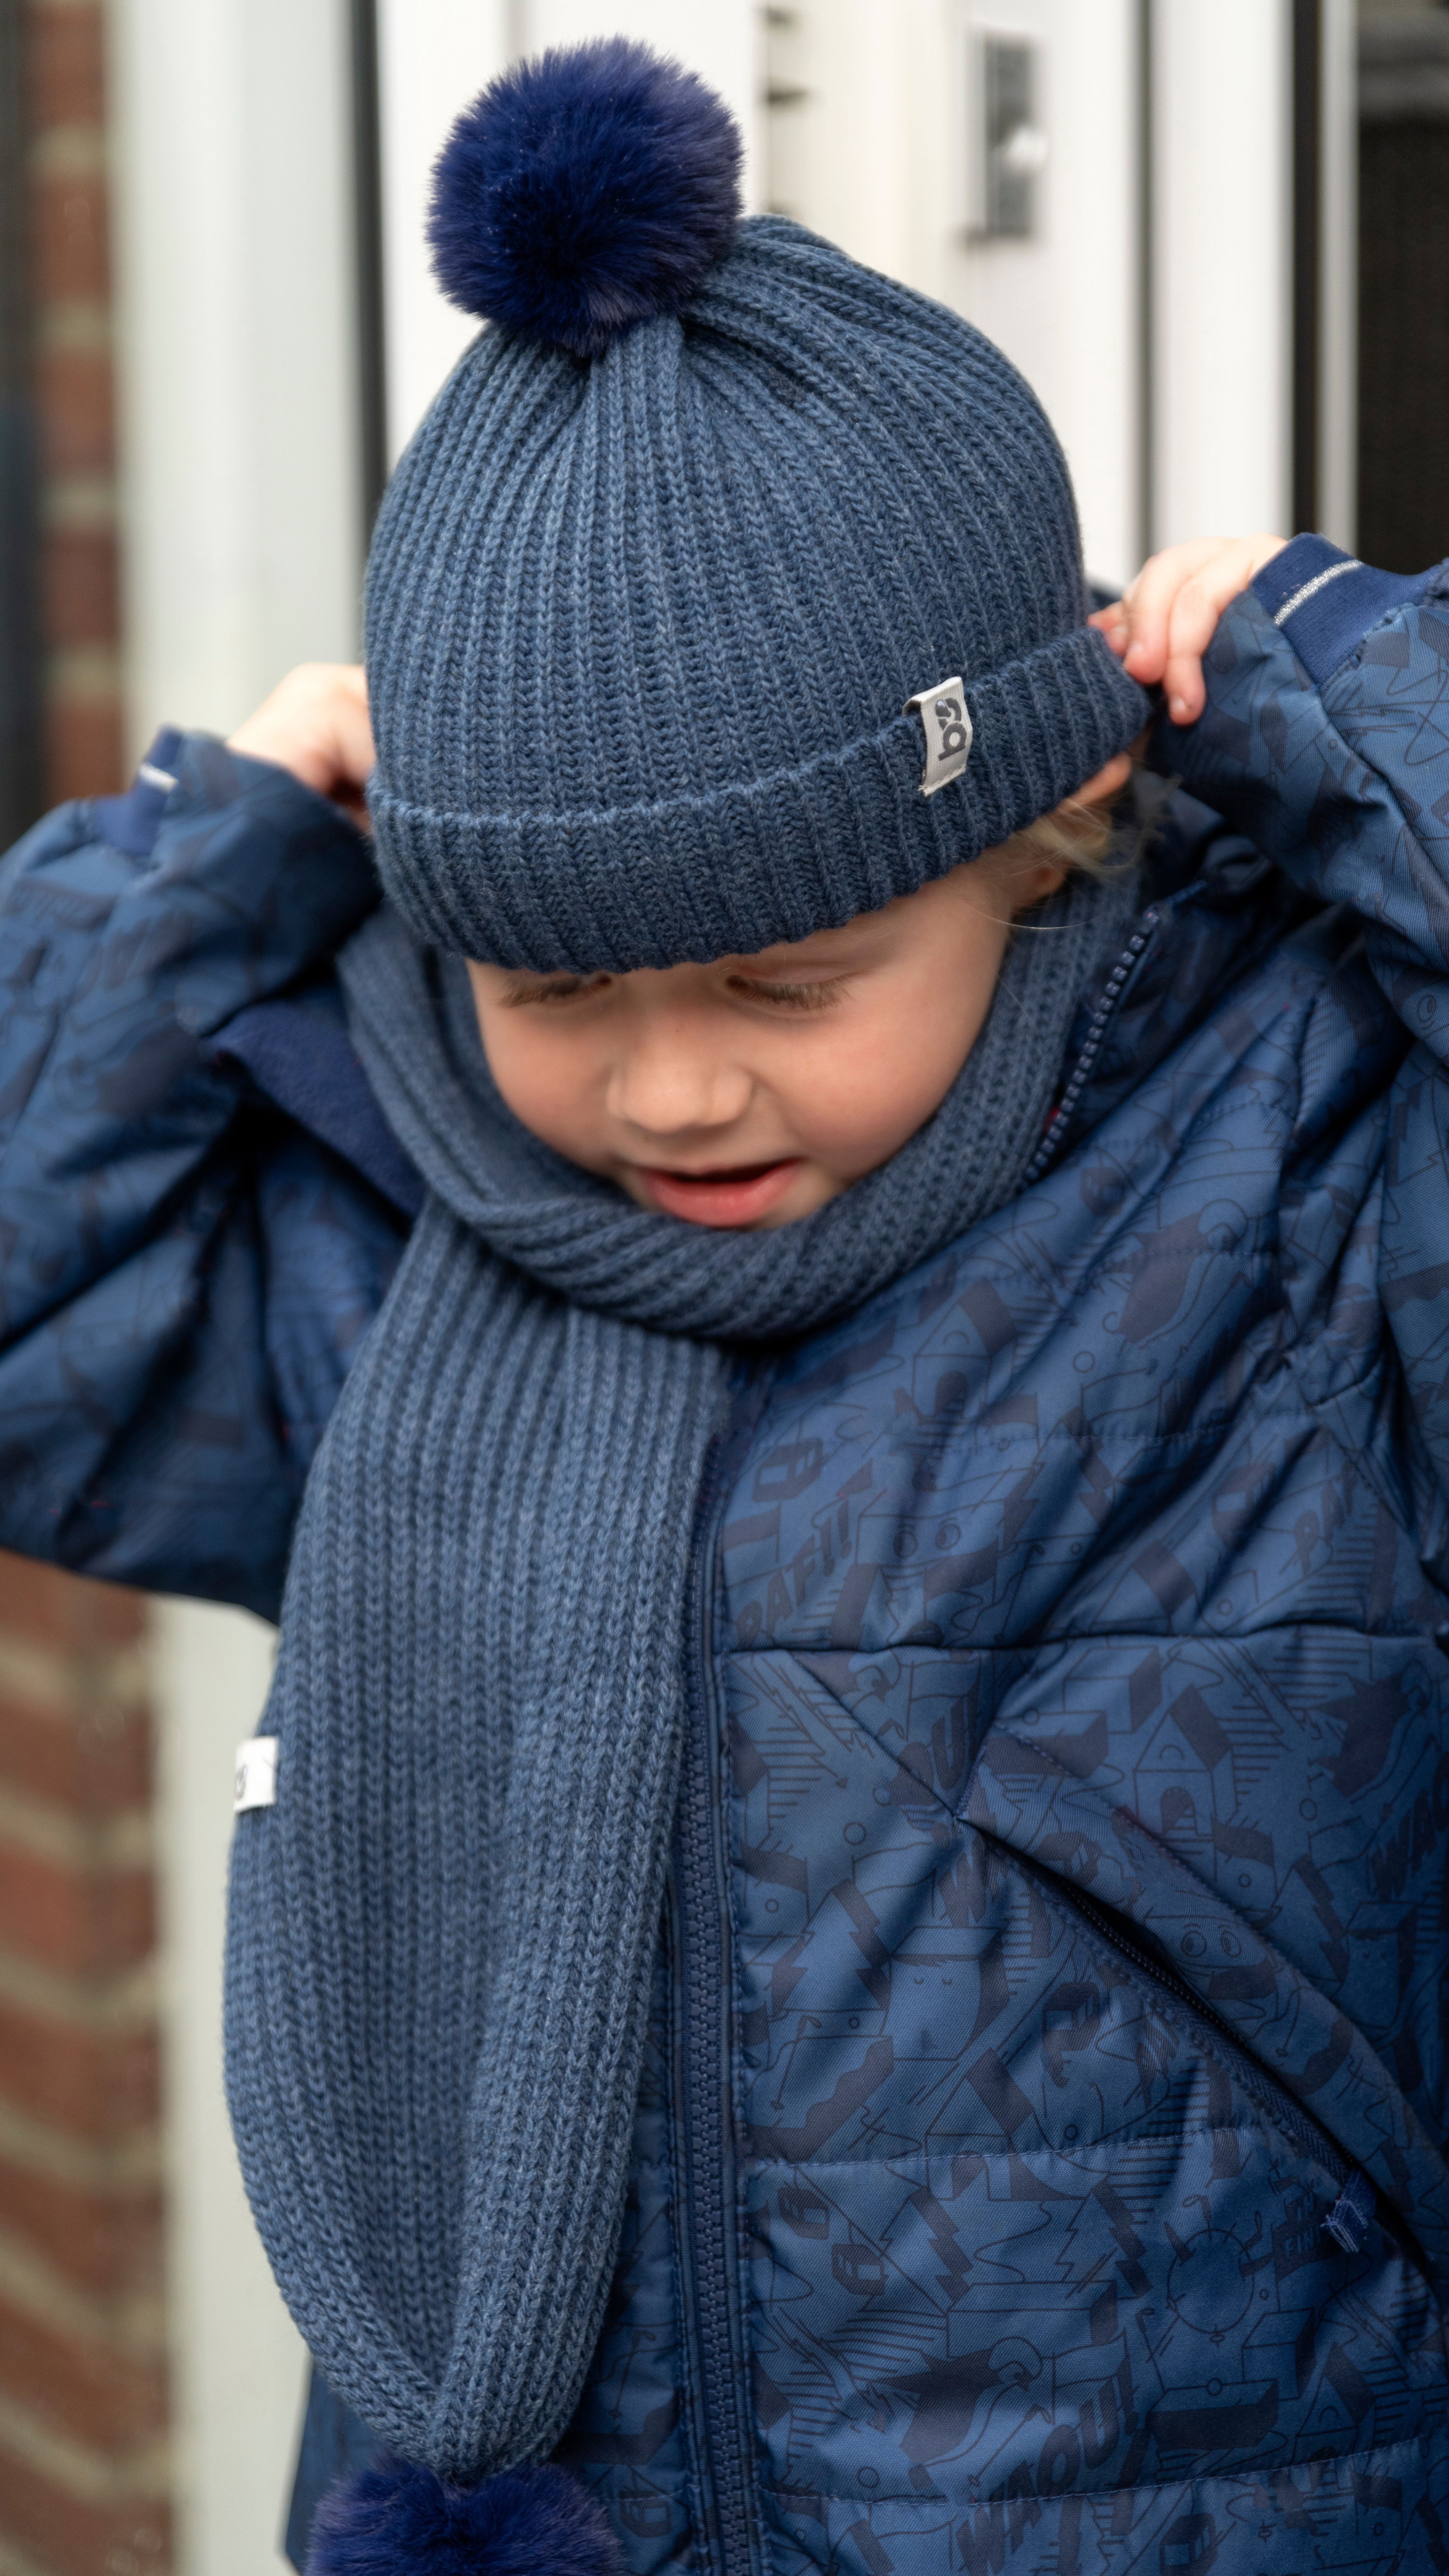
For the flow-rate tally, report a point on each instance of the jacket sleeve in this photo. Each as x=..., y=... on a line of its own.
x=1326, y=739
x=183, y=1274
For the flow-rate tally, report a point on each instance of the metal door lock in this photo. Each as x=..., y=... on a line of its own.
x=1007, y=149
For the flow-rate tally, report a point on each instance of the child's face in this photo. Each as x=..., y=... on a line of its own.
x=747, y=1092
x=750, y=1091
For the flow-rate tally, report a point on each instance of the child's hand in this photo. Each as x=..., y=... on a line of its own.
x=315, y=723
x=1163, y=626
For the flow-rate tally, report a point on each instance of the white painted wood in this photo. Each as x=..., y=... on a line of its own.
x=1222, y=265
x=1064, y=305
x=859, y=132
x=242, y=555
x=868, y=143
x=239, y=2363
x=237, y=378
x=433, y=56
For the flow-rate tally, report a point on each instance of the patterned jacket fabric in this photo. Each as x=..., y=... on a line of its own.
x=1039, y=2163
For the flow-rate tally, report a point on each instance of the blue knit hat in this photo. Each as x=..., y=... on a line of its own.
x=679, y=539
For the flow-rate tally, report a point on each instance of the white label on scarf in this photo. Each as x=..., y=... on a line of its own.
x=256, y=1773
x=947, y=728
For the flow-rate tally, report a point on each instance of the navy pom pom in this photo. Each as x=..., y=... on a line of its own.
x=584, y=192
x=400, y=2520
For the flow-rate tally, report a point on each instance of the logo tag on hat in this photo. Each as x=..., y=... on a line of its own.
x=947, y=728
x=256, y=1773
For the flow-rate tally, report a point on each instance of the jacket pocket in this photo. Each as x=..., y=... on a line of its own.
x=1358, y=2199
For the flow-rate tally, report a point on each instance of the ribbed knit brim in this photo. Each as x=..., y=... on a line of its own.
x=640, y=632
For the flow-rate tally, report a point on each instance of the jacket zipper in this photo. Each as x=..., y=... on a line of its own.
x=1091, y=1047
x=708, y=2238
x=708, y=2244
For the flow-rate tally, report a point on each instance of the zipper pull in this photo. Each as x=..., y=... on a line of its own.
x=1347, y=2221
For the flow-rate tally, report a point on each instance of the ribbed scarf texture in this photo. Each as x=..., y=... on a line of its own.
x=442, y=1934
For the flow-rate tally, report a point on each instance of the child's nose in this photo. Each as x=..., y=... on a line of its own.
x=664, y=1084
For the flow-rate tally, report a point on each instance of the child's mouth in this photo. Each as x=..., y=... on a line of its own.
x=740, y=1195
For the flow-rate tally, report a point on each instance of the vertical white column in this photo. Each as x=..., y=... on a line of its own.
x=242, y=555
x=239, y=2364
x=1222, y=262
x=1065, y=304
x=240, y=508
x=433, y=56
x=860, y=129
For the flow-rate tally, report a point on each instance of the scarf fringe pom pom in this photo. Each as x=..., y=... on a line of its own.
x=399, y=2519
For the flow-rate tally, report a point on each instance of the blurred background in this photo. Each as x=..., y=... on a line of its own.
x=1215, y=235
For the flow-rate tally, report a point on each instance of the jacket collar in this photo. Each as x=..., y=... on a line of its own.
x=1213, y=908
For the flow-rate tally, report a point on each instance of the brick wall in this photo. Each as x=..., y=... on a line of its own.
x=83, y=2482
x=83, y=2474
x=80, y=617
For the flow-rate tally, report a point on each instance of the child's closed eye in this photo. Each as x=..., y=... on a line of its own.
x=791, y=997
x=530, y=992
x=555, y=988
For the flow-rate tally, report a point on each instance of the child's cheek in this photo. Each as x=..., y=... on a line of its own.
x=880, y=1079
x=552, y=1079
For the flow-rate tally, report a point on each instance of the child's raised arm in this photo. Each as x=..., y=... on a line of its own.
x=183, y=1273
x=1324, y=736
x=1318, y=692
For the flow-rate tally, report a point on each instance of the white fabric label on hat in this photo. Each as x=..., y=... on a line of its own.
x=947, y=728
x=256, y=1773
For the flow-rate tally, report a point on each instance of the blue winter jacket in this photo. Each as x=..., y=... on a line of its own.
x=1039, y=2165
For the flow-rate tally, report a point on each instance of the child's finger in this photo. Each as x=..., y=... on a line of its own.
x=1149, y=601
x=1194, y=616
x=355, y=750
x=1192, y=621
x=1173, y=607
x=1112, y=623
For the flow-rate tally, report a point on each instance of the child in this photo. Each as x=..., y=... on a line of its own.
x=837, y=1961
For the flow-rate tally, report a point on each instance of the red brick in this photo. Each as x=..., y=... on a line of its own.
x=107, y=2242
x=91, y=1756
x=67, y=66
x=76, y=411
x=70, y=236
x=48, y=1608
x=99, y=2084
x=103, y=2395
x=74, y=2535
x=78, y=587
x=83, y=753
x=80, y=1921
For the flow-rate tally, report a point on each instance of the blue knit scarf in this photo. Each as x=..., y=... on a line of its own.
x=442, y=1933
